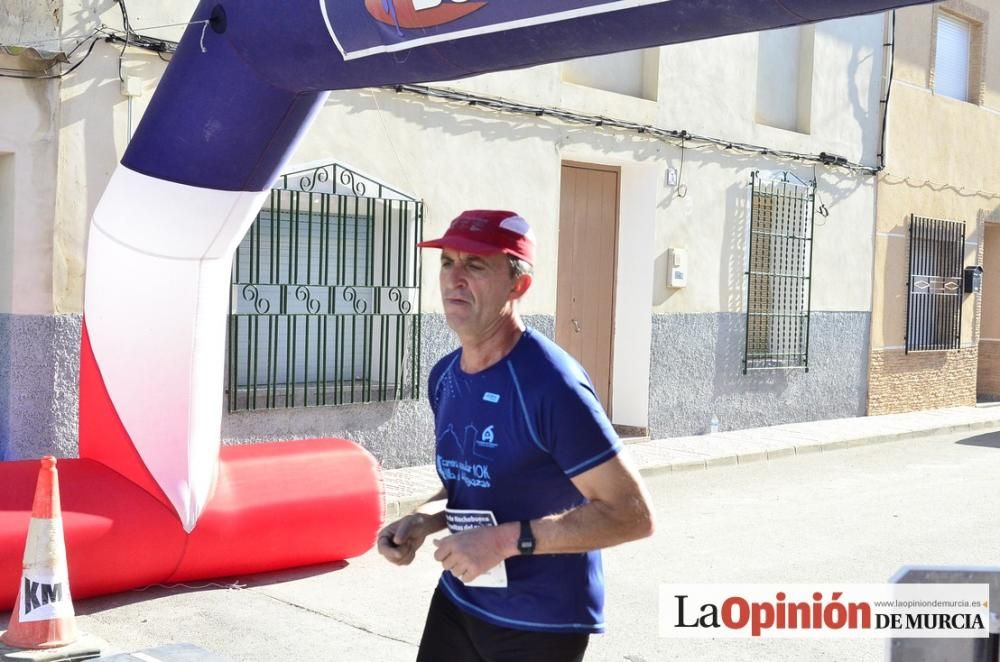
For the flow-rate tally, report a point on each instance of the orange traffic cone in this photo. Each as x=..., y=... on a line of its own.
x=43, y=615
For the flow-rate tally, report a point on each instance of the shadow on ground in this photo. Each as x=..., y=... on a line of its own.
x=138, y=595
x=988, y=440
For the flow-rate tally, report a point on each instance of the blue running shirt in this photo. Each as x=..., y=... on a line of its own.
x=509, y=438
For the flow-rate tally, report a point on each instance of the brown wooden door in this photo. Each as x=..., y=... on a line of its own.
x=988, y=383
x=588, y=249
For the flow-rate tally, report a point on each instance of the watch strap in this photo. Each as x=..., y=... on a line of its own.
x=526, y=542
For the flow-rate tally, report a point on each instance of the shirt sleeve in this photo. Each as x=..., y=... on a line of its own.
x=432, y=387
x=574, y=428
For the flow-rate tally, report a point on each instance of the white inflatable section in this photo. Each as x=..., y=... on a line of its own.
x=157, y=295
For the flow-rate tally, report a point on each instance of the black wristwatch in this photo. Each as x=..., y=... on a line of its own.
x=526, y=543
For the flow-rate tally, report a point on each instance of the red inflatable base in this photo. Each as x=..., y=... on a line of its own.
x=277, y=505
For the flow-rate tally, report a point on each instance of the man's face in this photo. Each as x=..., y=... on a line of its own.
x=477, y=290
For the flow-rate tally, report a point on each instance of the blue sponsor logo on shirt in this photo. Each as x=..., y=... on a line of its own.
x=491, y=397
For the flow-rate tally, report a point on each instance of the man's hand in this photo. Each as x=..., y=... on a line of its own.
x=468, y=554
x=399, y=541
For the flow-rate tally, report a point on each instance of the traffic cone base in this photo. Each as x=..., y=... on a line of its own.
x=43, y=616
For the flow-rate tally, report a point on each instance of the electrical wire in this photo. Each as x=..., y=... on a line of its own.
x=888, y=91
x=679, y=138
x=388, y=138
x=128, y=29
x=127, y=36
x=90, y=50
x=682, y=189
x=37, y=42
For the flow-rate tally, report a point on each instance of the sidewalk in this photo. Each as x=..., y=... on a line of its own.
x=408, y=487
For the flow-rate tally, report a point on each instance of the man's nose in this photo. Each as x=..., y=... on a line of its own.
x=455, y=277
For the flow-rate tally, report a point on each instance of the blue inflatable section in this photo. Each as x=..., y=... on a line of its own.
x=225, y=118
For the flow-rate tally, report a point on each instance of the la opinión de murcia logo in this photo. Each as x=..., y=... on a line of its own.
x=912, y=610
x=420, y=13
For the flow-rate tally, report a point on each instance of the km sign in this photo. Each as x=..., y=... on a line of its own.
x=45, y=597
x=37, y=594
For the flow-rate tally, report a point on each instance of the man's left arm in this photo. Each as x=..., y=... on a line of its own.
x=617, y=510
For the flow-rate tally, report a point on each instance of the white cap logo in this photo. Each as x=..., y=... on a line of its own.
x=519, y=226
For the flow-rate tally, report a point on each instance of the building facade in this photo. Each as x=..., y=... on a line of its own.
x=934, y=344
x=707, y=265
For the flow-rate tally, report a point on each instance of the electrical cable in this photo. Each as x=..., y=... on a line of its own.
x=682, y=189
x=392, y=145
x=90, y=50
x=127, y=36
x=675, y=137
x=888, y=91
x=128, y=29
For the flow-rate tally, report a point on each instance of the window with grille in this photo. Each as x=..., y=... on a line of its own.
x=934, y=302
x=325, y=300
x=778, y=276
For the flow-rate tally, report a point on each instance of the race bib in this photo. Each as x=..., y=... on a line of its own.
x=461, y=520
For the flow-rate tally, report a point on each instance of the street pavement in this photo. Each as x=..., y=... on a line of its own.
x=837, y=512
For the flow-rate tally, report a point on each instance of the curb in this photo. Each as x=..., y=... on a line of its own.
x=395, y=508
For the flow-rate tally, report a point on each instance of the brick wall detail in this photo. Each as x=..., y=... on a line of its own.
x=900, y=382
x=989, y=369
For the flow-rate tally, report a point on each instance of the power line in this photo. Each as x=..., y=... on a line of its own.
x=127, y=37
x=90, y=50
x=680, y=138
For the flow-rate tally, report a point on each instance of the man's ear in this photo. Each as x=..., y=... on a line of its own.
x=521, y=286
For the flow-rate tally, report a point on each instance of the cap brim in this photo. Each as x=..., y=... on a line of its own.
x=463, y=244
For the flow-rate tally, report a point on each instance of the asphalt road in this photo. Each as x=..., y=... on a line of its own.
x=853, y=515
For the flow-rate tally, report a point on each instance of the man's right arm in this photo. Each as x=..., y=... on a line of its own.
x=398, y=542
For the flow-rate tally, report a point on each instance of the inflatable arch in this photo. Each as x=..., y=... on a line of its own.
x=152, y=497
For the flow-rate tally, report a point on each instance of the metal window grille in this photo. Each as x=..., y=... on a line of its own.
x=325, y=299
x=934, y=301
x=778, y=276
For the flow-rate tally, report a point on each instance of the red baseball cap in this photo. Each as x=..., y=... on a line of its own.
x=487, y=232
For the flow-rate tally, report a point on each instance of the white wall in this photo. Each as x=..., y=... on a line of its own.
x=29, y=21
x=632, y=73
x=6, y=230
x=634, y=291
x=29, y=139
x=784, y=77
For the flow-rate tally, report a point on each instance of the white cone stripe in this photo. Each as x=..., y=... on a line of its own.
x=156, y=304
x=45, y=547
x=44, y=590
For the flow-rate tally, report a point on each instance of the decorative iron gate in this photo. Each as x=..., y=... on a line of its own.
x=325, y=299
x=934, y=301
x=779, y=272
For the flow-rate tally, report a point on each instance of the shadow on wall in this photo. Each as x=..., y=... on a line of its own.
x=983, y=216
x=731, y=333
x=455, y=120
x=90, y=104
x=862, y=111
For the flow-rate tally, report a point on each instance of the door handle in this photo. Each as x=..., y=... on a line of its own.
x=576, y=326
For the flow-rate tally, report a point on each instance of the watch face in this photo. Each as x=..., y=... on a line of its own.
x=526, y=543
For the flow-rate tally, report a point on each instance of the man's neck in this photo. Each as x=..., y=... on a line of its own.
x=488, y=348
